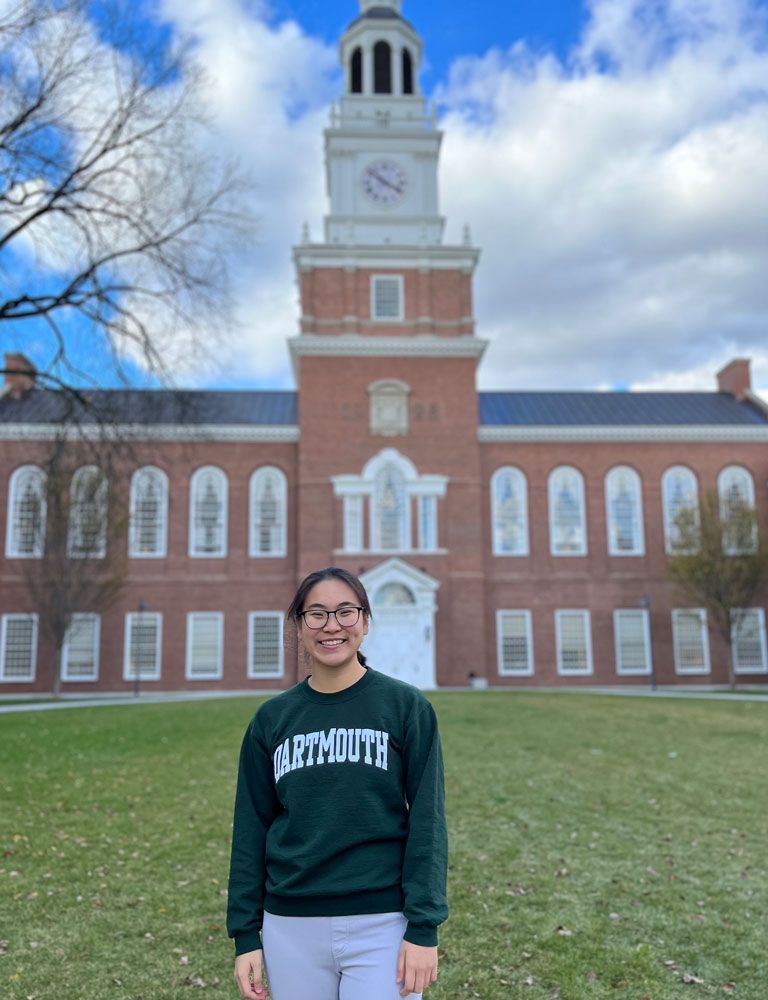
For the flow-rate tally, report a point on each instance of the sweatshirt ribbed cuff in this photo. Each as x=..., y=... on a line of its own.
x=422, y=934
x=247, y=942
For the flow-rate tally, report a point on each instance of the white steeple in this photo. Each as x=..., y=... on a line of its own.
x=382, y=147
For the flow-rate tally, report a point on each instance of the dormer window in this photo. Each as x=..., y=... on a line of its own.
x=382, y=68
x=356, y=72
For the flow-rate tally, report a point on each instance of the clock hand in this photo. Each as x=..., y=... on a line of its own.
x=387, y=183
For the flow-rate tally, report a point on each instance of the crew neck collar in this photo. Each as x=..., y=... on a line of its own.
x=335, y=697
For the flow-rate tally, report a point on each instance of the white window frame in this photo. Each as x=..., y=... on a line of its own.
x=128, y=675
x=281, y=549
x=521, y=484
x=11, y=539
x=763, y=668
x=560, y=614
x=73, y=528
x=79, y=678
x=252, y=616
x=612, y=476
x=701, y=613
x=5, y=621
x=667, y=514
x=353, y=524
x=621, y=670
x=398, y=279
x=501, y=614
x=197, y=475
x=426, y=513
x=551, y=500
x=162, y=551
x=404, y=513
x=729, y=473
x=218, y=672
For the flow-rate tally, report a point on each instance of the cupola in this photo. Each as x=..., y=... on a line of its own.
x=381, y=52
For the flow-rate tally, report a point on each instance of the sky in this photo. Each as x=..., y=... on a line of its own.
x=609, y=157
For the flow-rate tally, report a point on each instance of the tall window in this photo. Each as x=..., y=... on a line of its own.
x=691, y=641
x=679, y=491
x=208, y=513
x=25, y=532
x=748, y=638
x=514, y=643
x=427, y=508
x=633, y=641
x=567, y=518
x=265, y=644
x=387, y=297
x=80, y=654
x=736, y=491
x=18, y=647
x=407, y=72
x=143, y=643
x=356, y=72
x=509, y=512
x=268, y=494
x=390, y=510
x=574, y=642
x=624, y=509
x=88, y=514
x=149, y=514
x=205, y=642
x=382, y=68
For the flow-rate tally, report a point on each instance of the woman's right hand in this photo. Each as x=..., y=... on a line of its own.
x=248, y=975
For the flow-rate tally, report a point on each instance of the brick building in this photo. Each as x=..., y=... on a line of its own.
x=515, y=536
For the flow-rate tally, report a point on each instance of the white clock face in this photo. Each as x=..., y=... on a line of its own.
x=384, y=182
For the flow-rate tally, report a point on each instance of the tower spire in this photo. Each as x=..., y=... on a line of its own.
x=367, y=4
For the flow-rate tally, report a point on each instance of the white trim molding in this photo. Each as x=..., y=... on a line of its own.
x=492, y=434
x=352, y=345
x=151, y=432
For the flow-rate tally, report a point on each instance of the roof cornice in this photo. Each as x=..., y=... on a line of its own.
x=151, y=432
x=605, y=432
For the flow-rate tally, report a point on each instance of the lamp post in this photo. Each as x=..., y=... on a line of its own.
x=140, y=609
x=645, y=604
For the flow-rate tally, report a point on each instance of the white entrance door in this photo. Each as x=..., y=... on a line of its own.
x=400, y=640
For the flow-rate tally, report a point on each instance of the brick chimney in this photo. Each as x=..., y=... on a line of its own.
x=20, y=375
x=735, y=378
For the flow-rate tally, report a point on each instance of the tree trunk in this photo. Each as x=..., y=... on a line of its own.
x=57, y=672
x=731, y=668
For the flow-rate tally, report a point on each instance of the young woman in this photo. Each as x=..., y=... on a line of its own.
x=339, y=848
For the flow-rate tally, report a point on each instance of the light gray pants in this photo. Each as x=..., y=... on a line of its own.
x=333, y=958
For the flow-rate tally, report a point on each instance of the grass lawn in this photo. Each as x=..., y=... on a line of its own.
x=601, y=847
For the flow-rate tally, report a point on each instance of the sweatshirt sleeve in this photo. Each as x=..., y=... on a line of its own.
x=256, y=805
x=425, y=865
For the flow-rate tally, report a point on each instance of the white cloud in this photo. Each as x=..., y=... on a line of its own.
x=619, y=199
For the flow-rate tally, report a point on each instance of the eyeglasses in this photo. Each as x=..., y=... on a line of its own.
x=346, y=617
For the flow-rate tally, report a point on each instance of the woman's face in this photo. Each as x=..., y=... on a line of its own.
x=333, y=645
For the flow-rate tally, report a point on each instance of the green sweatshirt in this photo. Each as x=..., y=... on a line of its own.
x=339, y=810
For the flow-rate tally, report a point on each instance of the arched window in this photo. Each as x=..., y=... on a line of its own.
x=25, y=533
x=624, y=510
x=509, y=512
x=679, y=492
x=382, y=68
x=208, y=513
x=356, y=72
x=88, y=514
x=736, y=491
x=390, y=516
x=567, y=518
x=149, y=514
x=407, y=72
x=268, y=493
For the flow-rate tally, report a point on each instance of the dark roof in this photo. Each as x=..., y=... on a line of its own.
x=154, y=406
x=380, y=14
x=578, y=409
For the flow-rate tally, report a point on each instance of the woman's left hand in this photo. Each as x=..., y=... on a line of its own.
x=416, y=968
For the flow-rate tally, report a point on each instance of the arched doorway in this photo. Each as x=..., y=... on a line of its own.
x=401, y=636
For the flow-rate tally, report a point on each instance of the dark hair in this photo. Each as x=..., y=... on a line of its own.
x=329, y=573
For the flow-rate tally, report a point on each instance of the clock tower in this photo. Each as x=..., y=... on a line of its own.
x=385, y=362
